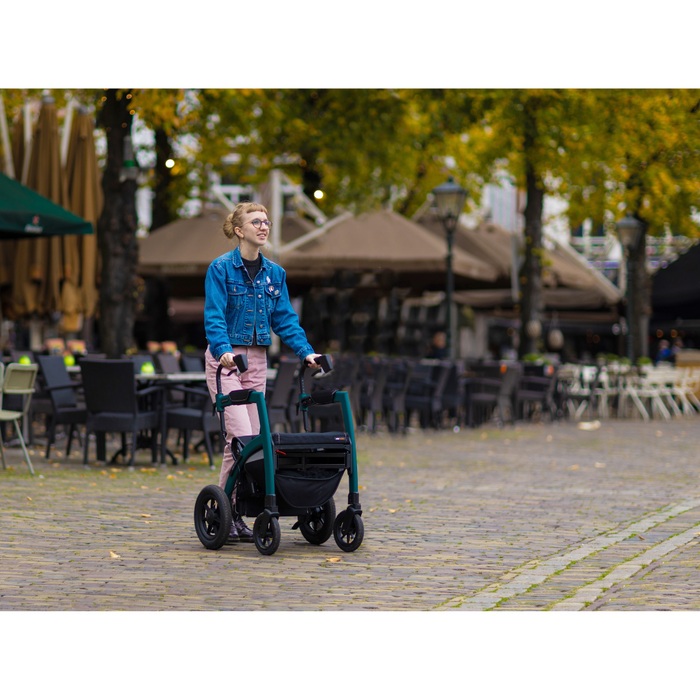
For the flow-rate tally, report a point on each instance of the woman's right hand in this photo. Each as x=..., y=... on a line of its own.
x=227, y=360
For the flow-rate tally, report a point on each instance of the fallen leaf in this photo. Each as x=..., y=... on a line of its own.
x=392, y=510
x=594, y=425
x=574, y=466
x=103, y=472
x=549, y=438
x=145, y=488
x=112, y=476
x=371, y=510
x=641, y=538
x=29, y=498
x=114, y=469
x=402, y=464
x=170, y=476
x=599, y=465
x=181, y=473
x=379, y=464
x=659, y=433
x=114, y=555
x=413, y=481
x=483, y=436
x=333, y=559
x=145, y=515
x=193, y=469
x=408, y=500
x=93, y=484
x=384, y=500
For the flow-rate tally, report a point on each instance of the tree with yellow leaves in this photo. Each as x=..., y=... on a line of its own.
x=643, y=160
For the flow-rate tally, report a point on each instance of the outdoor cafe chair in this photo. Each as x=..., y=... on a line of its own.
x=280, y=405
x=67, y=410
x=685, y=389
x=41, y=401
x=395, y=388
x=17, y=380
x=192, y=364
x=536, y=392
x=114, y=405
x=374, y=372
x=329, y=417
x=188, y=418
x=640, y=391
x=490, y=387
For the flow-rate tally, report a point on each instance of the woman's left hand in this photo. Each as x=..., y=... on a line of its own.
x=311, y=359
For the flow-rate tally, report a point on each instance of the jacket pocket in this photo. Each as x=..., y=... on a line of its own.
x=236, y=295
x=272, y=293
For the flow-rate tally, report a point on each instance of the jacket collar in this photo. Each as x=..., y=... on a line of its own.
x=238, y=260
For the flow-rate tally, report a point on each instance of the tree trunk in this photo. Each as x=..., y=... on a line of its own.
x=116, y=230
x=531, y=271
x=639, y=291
x=162, y=210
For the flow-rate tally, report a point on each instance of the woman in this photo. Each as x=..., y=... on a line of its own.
x=246, y=297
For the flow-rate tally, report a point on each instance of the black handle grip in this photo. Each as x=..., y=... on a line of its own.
x=241, y=362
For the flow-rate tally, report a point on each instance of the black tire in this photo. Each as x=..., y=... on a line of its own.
x=318, y=527
x=352, y=539
x=212, y=517
x=267, y=541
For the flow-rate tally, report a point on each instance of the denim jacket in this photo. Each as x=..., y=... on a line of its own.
x=234, y=305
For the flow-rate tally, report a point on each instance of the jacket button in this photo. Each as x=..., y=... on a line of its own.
x=259, y=296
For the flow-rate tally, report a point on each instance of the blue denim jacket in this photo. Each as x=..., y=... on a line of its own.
x=234, y=305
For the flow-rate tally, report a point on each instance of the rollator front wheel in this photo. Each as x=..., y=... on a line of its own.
x=212, y=517
x=267, y=539
x=318, y=526
x=350, y=538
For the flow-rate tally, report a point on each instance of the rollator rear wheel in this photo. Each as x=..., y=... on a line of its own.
x=350, y=540
x=212, y=517
x=268, y=540
x=318, y=527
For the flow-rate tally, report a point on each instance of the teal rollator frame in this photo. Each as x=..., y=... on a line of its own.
x=285, y=474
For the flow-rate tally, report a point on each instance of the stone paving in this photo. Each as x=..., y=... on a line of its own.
x=536, y=517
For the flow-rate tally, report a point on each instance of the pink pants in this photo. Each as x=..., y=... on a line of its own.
x=239, y=420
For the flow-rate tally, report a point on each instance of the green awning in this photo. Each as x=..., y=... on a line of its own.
x=26, y=214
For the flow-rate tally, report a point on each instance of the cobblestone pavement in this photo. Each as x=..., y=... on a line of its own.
x=537, y=517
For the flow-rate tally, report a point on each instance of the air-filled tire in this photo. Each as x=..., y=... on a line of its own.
x=267, y=540
x=212, y=517
x=350, y=539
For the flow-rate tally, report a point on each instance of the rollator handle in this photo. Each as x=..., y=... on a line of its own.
x=326, y=363
x=241, y=363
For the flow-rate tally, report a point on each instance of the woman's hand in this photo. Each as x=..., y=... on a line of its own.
x=227, y=360
x=311, y=359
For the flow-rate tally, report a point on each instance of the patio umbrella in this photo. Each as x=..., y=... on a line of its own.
x=381, y=240
x=8, y=248
x=84, y=199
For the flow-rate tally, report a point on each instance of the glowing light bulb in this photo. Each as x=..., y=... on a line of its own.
x=318, y=194
x=169, y=163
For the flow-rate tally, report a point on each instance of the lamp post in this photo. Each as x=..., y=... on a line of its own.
x=449, y=199
x=629, y=231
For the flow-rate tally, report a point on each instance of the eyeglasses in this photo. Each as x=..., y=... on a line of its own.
x=259, y=222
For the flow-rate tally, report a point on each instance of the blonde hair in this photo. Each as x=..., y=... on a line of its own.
x=235, y=219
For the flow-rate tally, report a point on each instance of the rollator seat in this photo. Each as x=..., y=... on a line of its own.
x=308, y=439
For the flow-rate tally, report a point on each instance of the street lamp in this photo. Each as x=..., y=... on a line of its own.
x=449, y=199
x=629, y=231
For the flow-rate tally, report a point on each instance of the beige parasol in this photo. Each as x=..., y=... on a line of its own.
x=381, y=240
x=84, y=199
x=45, y=176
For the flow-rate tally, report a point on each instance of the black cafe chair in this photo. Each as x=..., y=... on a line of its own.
x=67, y=410
x=114, y=405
